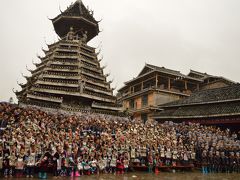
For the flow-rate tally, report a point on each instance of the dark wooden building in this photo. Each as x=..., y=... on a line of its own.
x=156, y=85
x=70, y=76
x=219, y=106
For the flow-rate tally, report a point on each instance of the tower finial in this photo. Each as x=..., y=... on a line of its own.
x=80, y=6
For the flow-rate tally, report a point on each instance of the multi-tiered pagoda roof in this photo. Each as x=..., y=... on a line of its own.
x=70, y=76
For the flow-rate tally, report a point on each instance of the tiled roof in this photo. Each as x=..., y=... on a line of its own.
x=200, y=111
x=204, y=76
x=228, y=93
x=207, y=103
x=77, y=9
x=165, y=70
x=199, y=74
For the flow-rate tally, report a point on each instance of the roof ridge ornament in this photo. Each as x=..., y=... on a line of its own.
x=60, y=9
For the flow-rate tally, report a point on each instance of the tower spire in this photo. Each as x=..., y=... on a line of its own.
x=78, y=17
x=80, y=6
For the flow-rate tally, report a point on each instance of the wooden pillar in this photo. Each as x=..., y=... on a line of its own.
x=169, y=84
x=159, y=81
x=185, y=83
x=142, y=86
x=156, y=81
x=198, y=87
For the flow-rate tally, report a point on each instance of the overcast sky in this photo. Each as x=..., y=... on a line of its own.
x=202, y=35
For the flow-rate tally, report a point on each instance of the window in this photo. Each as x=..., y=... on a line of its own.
x=144, y=100
x=131, y=104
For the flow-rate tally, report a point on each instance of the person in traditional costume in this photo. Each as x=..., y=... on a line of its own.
x=126, y=162
x=101, y=165
x=76, y=155
x=174, y=157
x=232, y=162
x=237, y=159
x=223, y=162
x=185, y=158
x=168, y=156
x=1, y=160
x=79, y=166
x=120, y=164
x=162, y=156
x=56, y=167
x=113, y=162
x=30, y=161
x=5, y=164
x=216, y=161
x=210, y=162
x=105, y=161
x=86, y=166
x=93, y=165
x=43, y=166
x=20, y=163
x=71, y=168
x=204, y=162
x=150, y=162
x=12, y=163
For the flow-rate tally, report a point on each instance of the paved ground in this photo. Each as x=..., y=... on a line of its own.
x=146, y=176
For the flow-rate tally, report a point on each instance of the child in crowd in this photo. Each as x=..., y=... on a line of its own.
x=30, y=161
x=12, y=163
x=79, y=166
x=113, y=163
x=1, y=160
x=20, y=164
x=43, y=166
x=120, y=164
x=86, y=167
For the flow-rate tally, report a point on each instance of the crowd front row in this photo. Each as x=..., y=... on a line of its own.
x=34, y=141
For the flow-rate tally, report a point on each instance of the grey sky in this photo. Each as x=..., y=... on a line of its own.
x=203, y=35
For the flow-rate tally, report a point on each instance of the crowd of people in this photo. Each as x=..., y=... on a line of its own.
x=35, y=141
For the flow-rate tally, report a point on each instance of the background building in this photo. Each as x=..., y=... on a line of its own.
x=219, y=106
x=155, y=86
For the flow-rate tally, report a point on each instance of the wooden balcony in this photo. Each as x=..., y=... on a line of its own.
x=45, y=98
